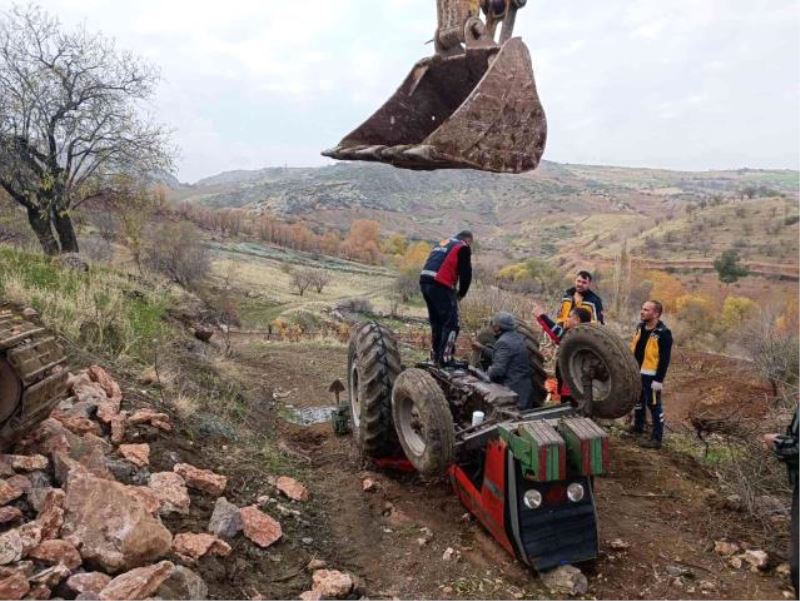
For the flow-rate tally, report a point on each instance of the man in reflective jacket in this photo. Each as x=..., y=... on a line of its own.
x=445, y=279
x=652, y=347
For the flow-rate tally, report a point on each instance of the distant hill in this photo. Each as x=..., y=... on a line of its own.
x=556, y=210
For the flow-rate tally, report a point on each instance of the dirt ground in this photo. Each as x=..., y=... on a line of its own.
x=657, y=502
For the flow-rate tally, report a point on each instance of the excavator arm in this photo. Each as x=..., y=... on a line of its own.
x=472, y=105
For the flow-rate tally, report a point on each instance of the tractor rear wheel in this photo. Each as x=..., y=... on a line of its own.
x=423, y=422
x=538, y=374
x=593, y=349
x=33, y=375
x=373, y=364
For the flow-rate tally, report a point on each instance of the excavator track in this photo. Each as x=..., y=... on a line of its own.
x=33, y=373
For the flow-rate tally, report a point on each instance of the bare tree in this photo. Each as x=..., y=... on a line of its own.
x=177, y=251
x=319, y=279
x=301, y=280
x=69, y=120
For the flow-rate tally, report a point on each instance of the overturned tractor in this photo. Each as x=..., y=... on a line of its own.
x=527, y=475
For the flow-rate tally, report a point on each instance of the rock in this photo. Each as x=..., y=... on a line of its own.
x=48, y=437
x=706, y=585
x=311, y=596
x=51, y=514
x=122, y=470
x=182, y=584
x=734, y=503
x=26, y=463
x=57, y=551
x=421, y=542
x=77, y=424
x=30, y=313
x=783, y=569
x=106, y=382
x=332, y=584
x=171, y=490
x=137, y=454
x=368, y=485
x=89, y=452
x=14, y=586
x=10, y=547
x=189, y=546
x=619, y=545
x=226, y=521
x=735, y=562
x=151, y=417
x=756, y=558
x=52, y=576
x=259, y=527
x=31, y=535
x=200, y=479
x=20, y=482
x=8, y=492
x=88, y=582
x=112, y=524
x=722, y=547
x=118, y=429
x=292, y=489
x=316, y=564
x=9, y=514
x=139, y=583
x=677, y=571
x=565, y=580
x=203, y=333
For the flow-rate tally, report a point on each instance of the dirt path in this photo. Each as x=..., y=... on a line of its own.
x=657, y=502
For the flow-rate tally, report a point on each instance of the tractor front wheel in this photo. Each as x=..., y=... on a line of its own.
x=423, y=422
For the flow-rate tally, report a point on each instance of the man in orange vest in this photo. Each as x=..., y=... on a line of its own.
x=445, y=279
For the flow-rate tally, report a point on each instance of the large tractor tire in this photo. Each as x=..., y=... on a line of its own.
x=373, y=364
x=538, y=374
x=33, y=375
x=423, y=422
x=616, y=384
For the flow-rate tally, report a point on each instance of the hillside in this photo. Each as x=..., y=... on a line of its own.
x=549, y=212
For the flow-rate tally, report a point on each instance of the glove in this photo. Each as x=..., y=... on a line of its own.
x=657, y=386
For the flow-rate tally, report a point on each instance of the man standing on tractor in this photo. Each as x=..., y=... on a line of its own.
x=511, y=366
x=580, y=295
x=652, y=347
x=448, y=268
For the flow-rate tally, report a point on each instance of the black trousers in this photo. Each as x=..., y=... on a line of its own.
x=442, y=305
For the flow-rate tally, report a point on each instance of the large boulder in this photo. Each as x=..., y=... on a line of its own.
x=112, y=525
x=14, y=586
x=171, y=490
x=88, y=582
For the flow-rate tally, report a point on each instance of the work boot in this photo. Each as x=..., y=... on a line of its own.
x=650, y=444
x=632, y=431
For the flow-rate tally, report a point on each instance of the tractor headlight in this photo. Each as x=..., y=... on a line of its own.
x=575, y=492
x=532, y=499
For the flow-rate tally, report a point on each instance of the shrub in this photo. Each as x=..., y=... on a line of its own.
x=176, y=251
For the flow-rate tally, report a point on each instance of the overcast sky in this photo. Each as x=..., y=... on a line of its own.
x=683, y=84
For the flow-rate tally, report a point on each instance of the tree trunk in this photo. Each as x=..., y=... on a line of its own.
x=66, y=233
x=40, y=223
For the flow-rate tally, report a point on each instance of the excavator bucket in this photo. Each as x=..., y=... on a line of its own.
x=475, y=110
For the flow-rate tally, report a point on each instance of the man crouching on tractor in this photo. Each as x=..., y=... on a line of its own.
x=510, y=364
x=449, y=267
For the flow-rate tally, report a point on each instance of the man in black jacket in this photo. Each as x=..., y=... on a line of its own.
x=510, y=363
x=785, y=448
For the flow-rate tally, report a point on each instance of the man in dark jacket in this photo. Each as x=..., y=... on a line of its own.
x=652, y=347
x=785, y=447
x=448, y=268
x=510, y=363
x=580, y=295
